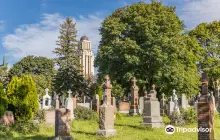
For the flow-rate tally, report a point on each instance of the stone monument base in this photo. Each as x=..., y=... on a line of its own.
x=133, y=112
x=62, y=138
x=153, y=125
x=106, y=133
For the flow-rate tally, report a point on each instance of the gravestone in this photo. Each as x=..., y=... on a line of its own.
x=57, y=102
x=213, y=99
x=183, y=101
x=176, y=106
x=170, y=106
x=69, y=104
x=151, y=114
x=46, y=100
x=62, y=124
x=124, y=107
x=113, y=103
x=141, y=105
x=205, y=112
x=95, y=103
x=74, y=102
x=106, y=113
x=134, y=98
x=162, y=105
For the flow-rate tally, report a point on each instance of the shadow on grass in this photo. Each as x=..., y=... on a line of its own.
x=37, y=137
x=136, y=127
x=86, y=133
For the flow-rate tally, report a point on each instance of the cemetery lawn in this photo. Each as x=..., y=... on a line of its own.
x=127, y=128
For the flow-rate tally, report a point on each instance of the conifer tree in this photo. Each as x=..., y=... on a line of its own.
x=68, y=75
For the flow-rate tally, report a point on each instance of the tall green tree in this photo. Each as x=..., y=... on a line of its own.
x=69, y=72
x=208, y=38
x=146, y=41
x=22, y=97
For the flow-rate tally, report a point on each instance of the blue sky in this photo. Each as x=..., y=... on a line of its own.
x=30, y=27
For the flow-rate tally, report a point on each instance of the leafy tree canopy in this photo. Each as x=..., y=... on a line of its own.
x=33, y=65
x=146, y=41
x=208, y=38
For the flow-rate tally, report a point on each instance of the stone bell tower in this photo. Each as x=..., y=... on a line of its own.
x=86, y=57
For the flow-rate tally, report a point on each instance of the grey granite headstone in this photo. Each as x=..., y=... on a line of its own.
x=151, y=113
x=183, y=101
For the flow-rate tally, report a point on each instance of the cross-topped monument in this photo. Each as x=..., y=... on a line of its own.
x=153, y=87
x=69, y=93
x=134, y=97
x=46, y=90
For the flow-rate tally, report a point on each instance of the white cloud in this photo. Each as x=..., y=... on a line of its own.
x=194, y=12
x=40, y=38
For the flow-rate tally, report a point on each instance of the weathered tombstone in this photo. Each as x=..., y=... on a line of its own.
x=213, y=99
x=113, y=103
x=205, y=112
x=170, y=106
x=69, y=104
x=95, y=103
x=162, y=105
x=124, y=107
x=176, y=106
x=174, y=94
x=106, y=113
x=134, y=98
x=183, y=101
x=141, y=105
x=62, y=124
x=46, y=100
x=151, y=114
x=74, y=102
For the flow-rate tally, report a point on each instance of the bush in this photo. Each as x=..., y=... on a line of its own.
x=166, y=120
x=119, y=116
x=26, y=127
x=3, y=100
x=22, y=97
x=82, y=113
x=40, y=116
x=189, y=115
x=176, y=119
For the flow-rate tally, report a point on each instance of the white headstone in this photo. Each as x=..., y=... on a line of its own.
x=183, y=101
x=213, y=99
x=176, y=107
x=46, y=100
x=141, y=104
x=170, y=106
x=69, y=103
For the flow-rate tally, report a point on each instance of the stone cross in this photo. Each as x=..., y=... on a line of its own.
x=174, y=91
x=46, y=90
x=153, y=87
x=69, y=93
x=163, y=95
x=171, y=99
x=134, y=81
x=57, y=102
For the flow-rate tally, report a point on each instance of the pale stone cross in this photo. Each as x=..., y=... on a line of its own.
x=174, y=91
x=69, y=92
x=153, y=86
x=134, y=81
x=163, y=95
x=171, y=98
x=46, y=90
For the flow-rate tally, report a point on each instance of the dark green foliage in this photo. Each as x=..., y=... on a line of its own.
x=189, y=115
x=82, y=113
x=207, y=36
x=22, y=97
x=68, y=75
x=5, y=131
x=146, y=41
x=26, y=127
x=3, y=100
x=33, y=65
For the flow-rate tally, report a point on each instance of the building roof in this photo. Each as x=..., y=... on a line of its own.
x=84, y=38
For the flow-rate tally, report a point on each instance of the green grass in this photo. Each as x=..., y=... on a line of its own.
x=127, y=128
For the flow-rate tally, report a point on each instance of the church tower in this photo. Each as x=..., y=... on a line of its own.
x=86, y=57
